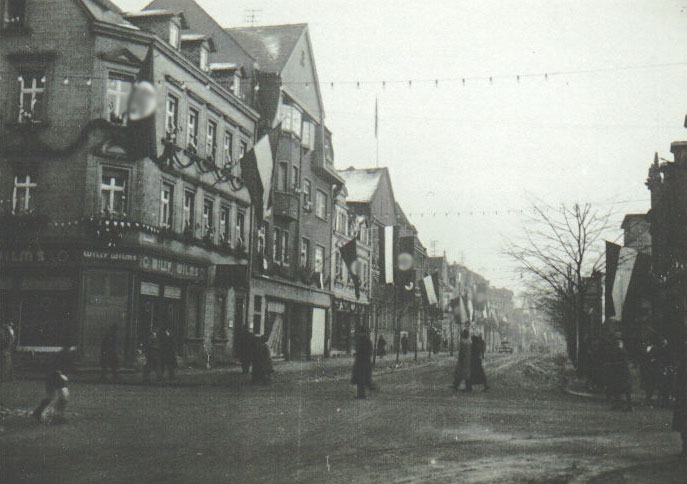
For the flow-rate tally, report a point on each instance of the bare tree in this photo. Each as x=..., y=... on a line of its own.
x=560, y=248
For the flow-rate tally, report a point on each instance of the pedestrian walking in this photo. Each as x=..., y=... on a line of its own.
x=168, y=354
x=262, y=362
x=404, y=344
x=462, y=372
x=680, y=393
x=617, y=377
x=477, y=375
x=151, y=349
x=56, y=390
x=381, y=346
x=362, y=363
x=109, y=359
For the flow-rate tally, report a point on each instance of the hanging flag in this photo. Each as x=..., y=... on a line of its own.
x=141, y=138
x=256, y=169
x=612, y=255
x=404, y=273
x=429, y=293
x=386, y=247
x=349, y=254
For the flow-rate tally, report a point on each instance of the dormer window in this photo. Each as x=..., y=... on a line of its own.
x=204, y=59
x=174, y=35
x=236, y=85
x=13, y=14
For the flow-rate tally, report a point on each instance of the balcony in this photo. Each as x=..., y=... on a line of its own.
x=285, y=205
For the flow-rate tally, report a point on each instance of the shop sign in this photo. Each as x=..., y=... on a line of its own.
x=154, y=264
x=150, y=289
x=172, y=292
x=40, y=257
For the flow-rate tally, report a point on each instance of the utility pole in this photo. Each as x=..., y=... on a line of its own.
x=251, y=16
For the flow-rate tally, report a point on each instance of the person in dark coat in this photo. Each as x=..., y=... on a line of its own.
x=404, y=344
x=56, y=388
x=262, y=362
x=168, y=354
x=109, y=360
x=477, y=375
x=245, y=347
x=381, y=346
x=617, y=375
x=151, y=349
x=462, y=372
x=362, y=364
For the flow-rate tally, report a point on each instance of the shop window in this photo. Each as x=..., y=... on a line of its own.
x=118, y=90
x=113, y=189
x=166, y=205
x=31, y=96
x=22, y=196
x=14, y=15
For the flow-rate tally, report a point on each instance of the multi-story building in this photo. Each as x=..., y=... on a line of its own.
x=290, y=285
x=95, y=233
x=348, y=311
x=370, y=195
x=442, y=320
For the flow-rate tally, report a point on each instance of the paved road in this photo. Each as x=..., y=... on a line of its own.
x=414, y=429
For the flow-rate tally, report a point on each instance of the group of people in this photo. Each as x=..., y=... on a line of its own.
x=469, y=369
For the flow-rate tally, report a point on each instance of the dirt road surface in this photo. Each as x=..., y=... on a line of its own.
x=304, y=428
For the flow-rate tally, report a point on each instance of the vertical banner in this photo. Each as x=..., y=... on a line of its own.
x=389, y=254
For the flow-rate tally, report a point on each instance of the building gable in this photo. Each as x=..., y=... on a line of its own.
x=299, y=77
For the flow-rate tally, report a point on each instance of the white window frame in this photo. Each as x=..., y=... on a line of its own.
x=172, y=114
x=174, y=35
x=211, y=139
x=208, y=218
x=167, y=205
x=189, y=210
x=111, y=188
x=25, y=185
x=240, y=227
x=203, y=61
x=319, y=259
x=236, y=85
x=192, y=128
x=36, y=90
x=225, y=223
x=119, y=87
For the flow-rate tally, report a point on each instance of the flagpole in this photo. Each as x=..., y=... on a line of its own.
x=377, y=129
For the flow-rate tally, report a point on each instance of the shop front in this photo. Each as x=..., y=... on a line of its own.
x=347, y=315
x=293, y=318
x=39, y=290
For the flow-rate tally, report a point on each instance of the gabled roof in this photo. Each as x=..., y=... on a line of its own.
x=107, y=12
x=361, y=183
x=270, y=45
x=228, y=49
x=159, y=12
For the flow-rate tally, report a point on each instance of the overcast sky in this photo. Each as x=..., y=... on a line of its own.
x=487, y=147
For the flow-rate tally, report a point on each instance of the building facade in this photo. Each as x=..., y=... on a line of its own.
x=96, y=233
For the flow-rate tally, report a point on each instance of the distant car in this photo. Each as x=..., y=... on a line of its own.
x=505, y=347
